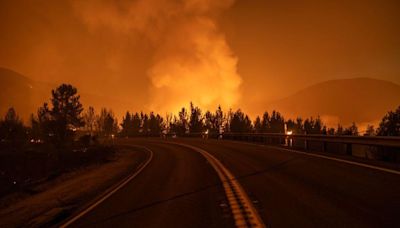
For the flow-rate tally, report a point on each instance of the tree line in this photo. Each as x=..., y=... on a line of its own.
x=193, y=121
x=59, y=121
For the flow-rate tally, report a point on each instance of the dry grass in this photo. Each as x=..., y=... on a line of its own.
x=56, y=199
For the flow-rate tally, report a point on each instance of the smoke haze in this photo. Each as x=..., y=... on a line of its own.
x=191, y=60
x=158, y=55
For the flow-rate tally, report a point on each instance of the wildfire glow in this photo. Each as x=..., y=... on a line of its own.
x=192, y=60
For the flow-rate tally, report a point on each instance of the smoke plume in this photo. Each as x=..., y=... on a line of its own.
x=191, y=60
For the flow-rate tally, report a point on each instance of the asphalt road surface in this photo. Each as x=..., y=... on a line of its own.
x=179, y=188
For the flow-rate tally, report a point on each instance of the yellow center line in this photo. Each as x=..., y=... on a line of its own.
x=242, y=209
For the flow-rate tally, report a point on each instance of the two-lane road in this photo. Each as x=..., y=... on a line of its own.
x=299, y=190
x=179, y=188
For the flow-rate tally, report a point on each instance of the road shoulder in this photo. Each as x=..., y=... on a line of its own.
x=58, y=199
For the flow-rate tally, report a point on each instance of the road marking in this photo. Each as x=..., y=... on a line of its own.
x=327, y=157
x=111, y=192
x=242, y=209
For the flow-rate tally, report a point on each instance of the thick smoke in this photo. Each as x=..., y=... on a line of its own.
x=191, y=61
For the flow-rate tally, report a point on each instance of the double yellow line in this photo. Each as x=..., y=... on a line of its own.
x=243, y=211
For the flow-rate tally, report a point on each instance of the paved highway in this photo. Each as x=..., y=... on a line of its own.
x=181, y=188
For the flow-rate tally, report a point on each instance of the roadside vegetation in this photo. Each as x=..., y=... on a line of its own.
x=53, y=144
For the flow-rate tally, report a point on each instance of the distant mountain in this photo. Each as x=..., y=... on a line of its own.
x=20, y=92
x=362, y=100
x=26, y=96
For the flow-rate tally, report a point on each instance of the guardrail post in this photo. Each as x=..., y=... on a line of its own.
x=324, y=146
x=306, y=144
x=348, y=148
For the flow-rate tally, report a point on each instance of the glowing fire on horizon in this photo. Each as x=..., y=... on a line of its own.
x=192, y=60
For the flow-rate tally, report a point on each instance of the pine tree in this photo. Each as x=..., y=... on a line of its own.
x=390, y=124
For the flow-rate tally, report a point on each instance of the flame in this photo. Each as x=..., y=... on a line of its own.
x=201, y=70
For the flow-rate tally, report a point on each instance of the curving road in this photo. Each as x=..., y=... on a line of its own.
x=180, y=188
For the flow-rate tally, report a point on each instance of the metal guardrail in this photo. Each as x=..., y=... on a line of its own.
x=385, y=148
x=386, y=141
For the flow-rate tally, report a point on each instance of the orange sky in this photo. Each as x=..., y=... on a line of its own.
x=155, y=54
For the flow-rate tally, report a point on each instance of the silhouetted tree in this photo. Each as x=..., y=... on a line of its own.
x=136, y=124
x=107, y=123
x=240, y=123
x=155, y=124
x=339, y=130
x=299, y=126
x=290, y=124
x=209, y=122
x=144, y=123
x=182, y=124
x=110, y=124
x=370, y=131
x=36, y=131
x=257, y=125
x=331, y=131
x=127, y=125
x=273, y=123
x=313, y=126
x=64, y=117
x=90, y=119
x=228, y=119
x=12, y=129
x=296, y=126
x=196, y=120
x=214, y=122
x=219, y=119
x=352, y=130
x=324, y=130
x=390, y=124
x=318, y=126
x=43, y=124
x=174, y=125
x=277, y=123
x=266, y=123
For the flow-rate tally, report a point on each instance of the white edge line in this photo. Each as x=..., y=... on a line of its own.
x=102, y=199
x=327, y=157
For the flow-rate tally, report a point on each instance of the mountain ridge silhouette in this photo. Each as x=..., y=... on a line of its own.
x=360, y=100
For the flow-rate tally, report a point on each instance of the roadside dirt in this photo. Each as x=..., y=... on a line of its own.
x=53, y=201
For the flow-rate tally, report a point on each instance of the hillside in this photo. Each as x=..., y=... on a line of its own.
x=20, y=92
x=26, y=96
x=363, y=100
